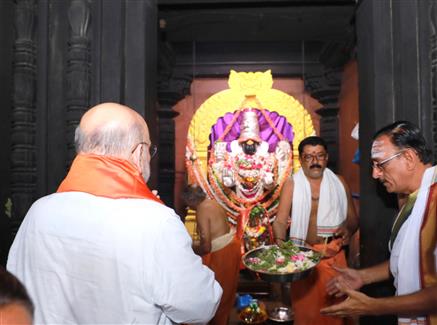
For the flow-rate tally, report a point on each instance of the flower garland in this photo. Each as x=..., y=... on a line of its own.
x=270, y=122
x=214, y=190
x=231, y=201
x=229, y=126
x=194, y=171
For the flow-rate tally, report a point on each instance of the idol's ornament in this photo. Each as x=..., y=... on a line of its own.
x=249, y=151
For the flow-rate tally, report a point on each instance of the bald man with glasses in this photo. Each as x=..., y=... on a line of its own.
x=104, y=249
x=320, y=208
x=402, y=163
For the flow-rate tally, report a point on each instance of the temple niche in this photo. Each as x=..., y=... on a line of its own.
x=241, y=146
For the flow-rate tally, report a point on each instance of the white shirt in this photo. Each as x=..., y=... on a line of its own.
x=92, y=260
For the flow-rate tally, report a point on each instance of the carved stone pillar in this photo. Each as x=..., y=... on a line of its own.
x=23, y=160
x=78, y=69
x=325, y=87
x=170, y=91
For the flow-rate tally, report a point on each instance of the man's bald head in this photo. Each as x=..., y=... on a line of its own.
x=110, y=129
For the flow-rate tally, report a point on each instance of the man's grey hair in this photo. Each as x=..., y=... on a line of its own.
x=109, y=140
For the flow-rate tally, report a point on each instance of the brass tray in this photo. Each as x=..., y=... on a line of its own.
x=277, y=276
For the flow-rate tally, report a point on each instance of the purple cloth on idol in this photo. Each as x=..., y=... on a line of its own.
x=266, y=132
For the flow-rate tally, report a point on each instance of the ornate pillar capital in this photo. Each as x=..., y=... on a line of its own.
x=325, y=86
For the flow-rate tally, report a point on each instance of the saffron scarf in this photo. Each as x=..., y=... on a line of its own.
x=106, y=176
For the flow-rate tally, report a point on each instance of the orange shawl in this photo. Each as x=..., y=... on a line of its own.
x=106, y=176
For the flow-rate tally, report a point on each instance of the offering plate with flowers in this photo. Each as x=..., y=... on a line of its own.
x=285, y=263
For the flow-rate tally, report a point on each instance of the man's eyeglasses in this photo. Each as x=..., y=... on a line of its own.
x=153, y=149
x=319, y=157
x=380, y=165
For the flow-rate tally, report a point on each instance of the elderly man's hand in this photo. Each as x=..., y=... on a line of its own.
x=346, y=279
x=356, y=304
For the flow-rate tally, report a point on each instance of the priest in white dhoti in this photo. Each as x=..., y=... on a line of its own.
x=402, y=163
x=322, y=216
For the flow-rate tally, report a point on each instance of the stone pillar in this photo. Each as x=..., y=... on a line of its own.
x=325, y=87
x=124, y=56
x=170, y=91
x=7, y=38
x=78, y=70
x=68, y=56
x=23, y=157
x=394, y=43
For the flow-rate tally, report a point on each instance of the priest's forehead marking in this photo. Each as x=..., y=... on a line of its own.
x=378, y=150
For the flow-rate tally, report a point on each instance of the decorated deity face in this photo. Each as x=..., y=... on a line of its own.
x=313, y=160
x=249, y=147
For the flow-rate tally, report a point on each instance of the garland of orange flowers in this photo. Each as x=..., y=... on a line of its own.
x=234, y=119
x=229, y=126
x=276, y=193
x=192, y=173
x=269, y=121
x=269, y=205
x=256, y=200
x=212, y=177
x=250, y=194
x=213, y=188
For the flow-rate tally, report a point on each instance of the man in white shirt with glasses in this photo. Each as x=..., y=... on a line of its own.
x=104, y=249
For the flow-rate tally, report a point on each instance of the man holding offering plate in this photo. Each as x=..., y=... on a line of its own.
x=322, y=215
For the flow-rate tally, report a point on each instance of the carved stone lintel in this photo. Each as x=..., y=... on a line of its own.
x=78, y=69
x=23, y=157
